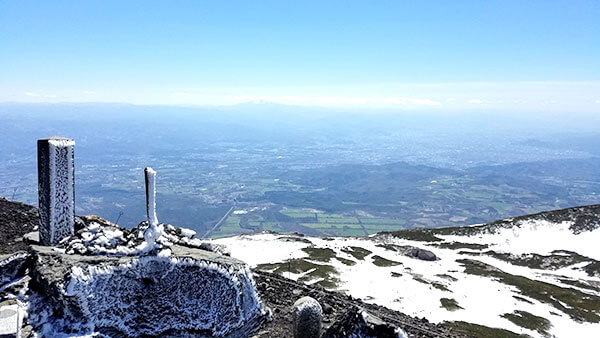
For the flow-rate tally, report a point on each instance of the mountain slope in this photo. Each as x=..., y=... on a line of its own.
x=537, y=275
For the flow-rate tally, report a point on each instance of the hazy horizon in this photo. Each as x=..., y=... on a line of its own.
x=437, y=56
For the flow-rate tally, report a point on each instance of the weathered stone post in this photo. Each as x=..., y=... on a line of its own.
x=56, y=189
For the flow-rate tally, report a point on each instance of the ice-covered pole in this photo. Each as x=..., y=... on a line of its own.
x=155, y=230
x=150, y=175
x=56, y=189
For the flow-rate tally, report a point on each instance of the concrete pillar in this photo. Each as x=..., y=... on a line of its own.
x=56, y=189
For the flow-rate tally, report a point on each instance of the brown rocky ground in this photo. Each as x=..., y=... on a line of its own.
x=280, y=293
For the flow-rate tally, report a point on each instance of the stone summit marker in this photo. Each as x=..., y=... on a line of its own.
x=56, y=189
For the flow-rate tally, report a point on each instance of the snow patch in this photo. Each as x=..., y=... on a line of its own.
x=415, y=287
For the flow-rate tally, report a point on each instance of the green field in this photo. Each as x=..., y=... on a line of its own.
x=315, y=222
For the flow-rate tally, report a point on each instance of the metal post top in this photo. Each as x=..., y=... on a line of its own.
x=52, y=138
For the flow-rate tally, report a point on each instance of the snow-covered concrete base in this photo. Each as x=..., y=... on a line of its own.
x=190, y=292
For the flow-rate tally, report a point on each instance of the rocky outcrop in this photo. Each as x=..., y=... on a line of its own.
x=408, y=250
x=422, y=254
x=359, y=323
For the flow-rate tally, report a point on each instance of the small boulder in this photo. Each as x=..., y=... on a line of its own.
x=308, y=315
x=422, y=254
x=327, y=309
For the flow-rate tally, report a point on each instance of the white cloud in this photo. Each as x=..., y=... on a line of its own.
x=450, y=99
x=597, y=101
x=474, y=101
x=89, y=92
x=32, y=94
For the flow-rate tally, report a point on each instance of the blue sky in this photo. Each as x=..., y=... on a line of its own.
x=440, y=55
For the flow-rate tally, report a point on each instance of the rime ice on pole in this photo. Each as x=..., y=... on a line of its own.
x=150, y=175
x=155, y=230
x=56, y=189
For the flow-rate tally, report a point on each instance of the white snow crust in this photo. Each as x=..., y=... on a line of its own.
x=537, y=236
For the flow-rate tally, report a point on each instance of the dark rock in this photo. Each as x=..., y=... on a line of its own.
x=359, y=323
x=79, y=223
x=423, y=254
x=13, y=267
x=17, y=287
x=327, y=309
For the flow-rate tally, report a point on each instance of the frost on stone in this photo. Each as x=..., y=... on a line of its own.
x=12, y=267
x=188, y=233
x=56, y=189
x=157, y=295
